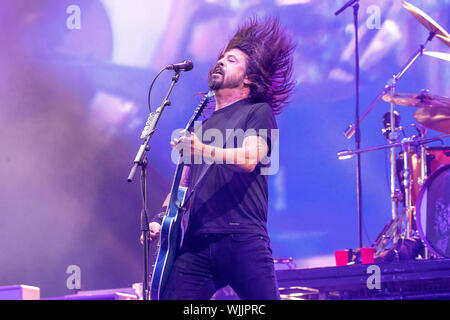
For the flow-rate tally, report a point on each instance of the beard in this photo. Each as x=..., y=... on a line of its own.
x=215, y=81
x=218, y=80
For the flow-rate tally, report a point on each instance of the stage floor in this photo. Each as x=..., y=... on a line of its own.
x=404, y=280
x=412, y=279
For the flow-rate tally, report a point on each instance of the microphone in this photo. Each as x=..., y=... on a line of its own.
x=186, y=65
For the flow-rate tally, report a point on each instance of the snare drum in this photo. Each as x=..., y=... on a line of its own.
x=433, y=212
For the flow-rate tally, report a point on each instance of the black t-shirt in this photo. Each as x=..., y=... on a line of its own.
x=226, y=200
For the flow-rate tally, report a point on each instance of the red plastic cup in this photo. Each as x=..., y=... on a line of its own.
x=367, y=255
x=341, y=257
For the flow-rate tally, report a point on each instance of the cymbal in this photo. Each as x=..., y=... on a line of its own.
x=439, y=55
x=446, y=40
x=427, y=21
x=436, y=118
x=418, y=100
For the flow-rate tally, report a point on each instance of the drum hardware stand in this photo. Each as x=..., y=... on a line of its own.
x=401, y=226
x=408, y=206
x=392, y=233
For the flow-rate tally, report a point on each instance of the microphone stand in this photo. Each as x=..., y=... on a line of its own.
x=355, y=5
x=141, y=161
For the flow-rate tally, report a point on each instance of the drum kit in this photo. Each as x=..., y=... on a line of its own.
x=419, y=174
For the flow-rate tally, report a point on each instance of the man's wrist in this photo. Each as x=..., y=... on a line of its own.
x=159, y=216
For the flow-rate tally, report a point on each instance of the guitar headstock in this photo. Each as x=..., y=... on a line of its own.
x=198, y=111
x=205, y=100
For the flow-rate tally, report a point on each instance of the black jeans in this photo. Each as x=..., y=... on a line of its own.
x=210, y=262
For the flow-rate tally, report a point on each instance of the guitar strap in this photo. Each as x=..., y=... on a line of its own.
x=205, y=170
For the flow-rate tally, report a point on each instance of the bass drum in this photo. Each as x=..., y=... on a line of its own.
x=433, y=212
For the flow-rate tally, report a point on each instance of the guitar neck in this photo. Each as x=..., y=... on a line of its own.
x=180, y=164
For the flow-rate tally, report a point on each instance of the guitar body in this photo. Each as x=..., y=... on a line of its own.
x=172, y=231
x=171, y=239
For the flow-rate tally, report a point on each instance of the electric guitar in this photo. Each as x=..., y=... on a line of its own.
x=172, y=229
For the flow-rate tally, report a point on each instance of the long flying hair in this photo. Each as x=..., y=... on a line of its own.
x=269, y=66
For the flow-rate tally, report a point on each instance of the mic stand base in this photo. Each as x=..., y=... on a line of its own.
x=145, y=230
